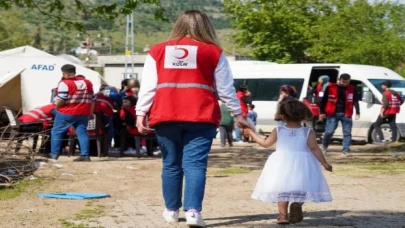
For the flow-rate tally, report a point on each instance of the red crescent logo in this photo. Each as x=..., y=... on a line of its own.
x=184, y=55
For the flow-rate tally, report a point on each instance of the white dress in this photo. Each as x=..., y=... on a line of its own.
x=292, y=173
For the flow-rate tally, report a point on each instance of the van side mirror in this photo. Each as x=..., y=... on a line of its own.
x=368, y=97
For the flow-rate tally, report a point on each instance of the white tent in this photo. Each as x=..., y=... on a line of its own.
x=27, y=76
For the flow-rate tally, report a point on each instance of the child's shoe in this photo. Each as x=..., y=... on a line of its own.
x=296, y=214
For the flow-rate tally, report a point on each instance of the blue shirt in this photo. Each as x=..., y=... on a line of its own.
x=253, y=116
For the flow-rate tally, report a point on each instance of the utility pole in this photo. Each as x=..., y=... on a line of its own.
x=87, y=51
x=129, y=46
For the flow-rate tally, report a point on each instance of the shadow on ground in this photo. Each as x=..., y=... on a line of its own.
x=247, y=157
x=254, y=159
x=335, y=218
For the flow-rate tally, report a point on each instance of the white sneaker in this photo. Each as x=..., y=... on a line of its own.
x=143, y=150
x=157, y=153
x=171, y=216
x=194, y=219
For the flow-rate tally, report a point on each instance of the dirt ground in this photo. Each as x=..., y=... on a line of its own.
x=368, y=191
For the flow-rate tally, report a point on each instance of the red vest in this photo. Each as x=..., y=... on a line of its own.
x=79, y=98
x=104, y=104
x=133, y=130
x=394, y=103
x=129, y=92
x=243, y=105
x=333, y=98
x=319, y=89
x=39, y=114
x=185, y=87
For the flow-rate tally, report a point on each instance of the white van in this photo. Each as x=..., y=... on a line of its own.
x=264, y=80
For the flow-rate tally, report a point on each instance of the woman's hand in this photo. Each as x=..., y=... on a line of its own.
x=140, y=124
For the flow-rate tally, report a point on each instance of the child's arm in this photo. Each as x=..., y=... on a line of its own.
x=313, y=146
x=266, y=143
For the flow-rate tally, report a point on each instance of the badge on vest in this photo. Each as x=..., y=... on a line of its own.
x=80, y=85
x=181, y=57
x=350, y=96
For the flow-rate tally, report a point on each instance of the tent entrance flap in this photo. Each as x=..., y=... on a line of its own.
x=10, y=94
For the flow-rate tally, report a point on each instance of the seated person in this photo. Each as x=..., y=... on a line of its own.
x=112, y=93
x=105, y=106
x=128, y=114
x=43, y=114
x=130, y=87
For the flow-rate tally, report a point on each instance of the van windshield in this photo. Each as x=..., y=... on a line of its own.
x=397, y=85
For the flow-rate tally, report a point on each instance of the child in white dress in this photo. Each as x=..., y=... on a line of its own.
x=292, y=173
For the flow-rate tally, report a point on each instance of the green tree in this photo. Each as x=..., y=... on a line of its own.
x=326, y=31
x=274, y=30
x=13, y=32
x=37, y=38
x=358, y=32
x=106, y=10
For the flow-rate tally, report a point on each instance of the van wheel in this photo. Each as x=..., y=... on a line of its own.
x=387, y=133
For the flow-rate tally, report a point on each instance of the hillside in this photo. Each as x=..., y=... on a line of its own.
x=147, y=30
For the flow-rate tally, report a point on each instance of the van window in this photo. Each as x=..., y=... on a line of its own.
x=397, y=85
x=267, y=89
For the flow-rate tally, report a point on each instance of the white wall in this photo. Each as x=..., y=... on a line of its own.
x=113, y=74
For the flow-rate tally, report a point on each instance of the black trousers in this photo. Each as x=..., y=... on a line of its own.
x=390, y=118
x=225, y=133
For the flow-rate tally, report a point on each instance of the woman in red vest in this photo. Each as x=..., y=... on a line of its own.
x=320, y=88
x=178, y=93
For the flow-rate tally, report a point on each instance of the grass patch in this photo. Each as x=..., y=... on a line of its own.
x=86, y=214
x=389, y=148
x=96, y=212
x=17, y=189
x=395, y=167
x=67, y=224
x=232, y=170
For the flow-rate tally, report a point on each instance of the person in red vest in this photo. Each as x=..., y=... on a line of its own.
x=178, y=92
x=129, y=87
x=319, y=89
x=74, y=104
x=105, y=105
x=40, y=114
x=128, y=115
x=245, y=98
x=337, y=105
x=391, y=106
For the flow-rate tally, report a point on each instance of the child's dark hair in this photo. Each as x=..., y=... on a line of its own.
x=131, y=99
x=293, y=110
x=252, y=106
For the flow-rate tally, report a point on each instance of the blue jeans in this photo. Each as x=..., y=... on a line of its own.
x=110, y=131
x=185, y=147
x=61, y=125
x=331, y=125
x=238, y=134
